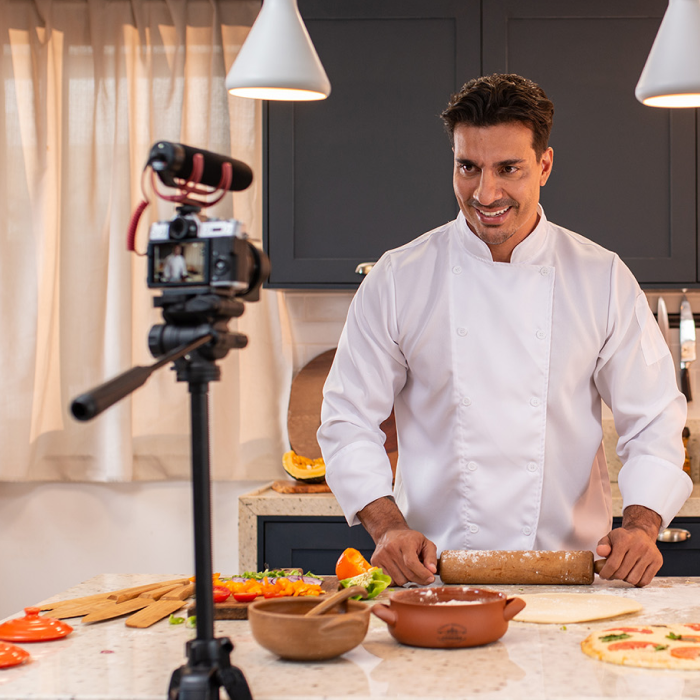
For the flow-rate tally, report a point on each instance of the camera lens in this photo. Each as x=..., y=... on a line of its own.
x=180, y=228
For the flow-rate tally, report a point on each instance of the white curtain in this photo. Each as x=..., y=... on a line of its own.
x=88, y=87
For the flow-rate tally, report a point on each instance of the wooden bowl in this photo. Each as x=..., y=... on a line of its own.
x=448, y=617
x=279, y=625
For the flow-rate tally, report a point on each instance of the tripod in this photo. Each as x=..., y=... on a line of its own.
x=194, y=336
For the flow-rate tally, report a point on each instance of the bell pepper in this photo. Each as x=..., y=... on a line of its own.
x=374, y=581
x=351, y=563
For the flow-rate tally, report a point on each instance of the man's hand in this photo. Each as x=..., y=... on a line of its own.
x=402, y=553
x=631, y=550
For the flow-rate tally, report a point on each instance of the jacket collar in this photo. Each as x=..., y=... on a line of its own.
x=524, y=252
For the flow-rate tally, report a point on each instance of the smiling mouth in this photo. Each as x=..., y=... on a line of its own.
x=494, y=215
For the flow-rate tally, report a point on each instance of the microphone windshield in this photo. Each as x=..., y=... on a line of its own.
x=175, y=160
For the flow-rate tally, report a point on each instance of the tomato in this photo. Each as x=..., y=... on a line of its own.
x=245, y=597
x=632, y=644
x=685, y=652
x=351, y=563
x=221, y=593
x=641, y=630
x=694, y=626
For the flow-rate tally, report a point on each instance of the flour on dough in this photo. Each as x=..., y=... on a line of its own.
x=563, y=608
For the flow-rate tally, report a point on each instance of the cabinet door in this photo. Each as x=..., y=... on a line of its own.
x=624, y=174
x=370, y=168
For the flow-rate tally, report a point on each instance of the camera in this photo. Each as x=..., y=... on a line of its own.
x=194, y=251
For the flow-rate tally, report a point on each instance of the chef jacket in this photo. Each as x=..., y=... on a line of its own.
x=496, y=373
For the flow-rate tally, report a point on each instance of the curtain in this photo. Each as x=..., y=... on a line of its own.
x=88, y=87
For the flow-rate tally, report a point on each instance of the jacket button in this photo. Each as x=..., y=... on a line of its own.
x=541, y=335
x=527, y=530
x=474, y=528
x=544, y=270
x=456, y=269
x=535, y=402
x=532, y=467
x=471, y=466
x=466, y=401
x=462, y=331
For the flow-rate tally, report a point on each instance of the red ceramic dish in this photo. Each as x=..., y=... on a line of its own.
x=448, y=617
x=33, y=628
x=10, y=655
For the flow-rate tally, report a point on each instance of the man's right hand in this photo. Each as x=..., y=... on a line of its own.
x=404, y=554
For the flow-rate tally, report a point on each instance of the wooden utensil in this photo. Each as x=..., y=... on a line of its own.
x=115, y=609
x=335, y=599
x=88, y=600
x=518, y=567
x=155, y=611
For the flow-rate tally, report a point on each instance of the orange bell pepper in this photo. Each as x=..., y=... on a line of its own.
x=350, y=564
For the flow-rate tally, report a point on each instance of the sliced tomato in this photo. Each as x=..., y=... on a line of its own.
x=630, y=644
x=694, y=626
x=221, y=593
x=641, y=630
x=685, y=652
x=245, y=597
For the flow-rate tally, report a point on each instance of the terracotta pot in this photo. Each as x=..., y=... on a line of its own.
x=279, y=625
x=448, y=617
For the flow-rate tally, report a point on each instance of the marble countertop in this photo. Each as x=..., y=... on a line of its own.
x=108, y=661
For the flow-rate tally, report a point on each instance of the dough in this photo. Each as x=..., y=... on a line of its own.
x=563, y=608
x=648, y=646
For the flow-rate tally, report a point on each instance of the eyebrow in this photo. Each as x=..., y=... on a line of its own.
x=509, y=161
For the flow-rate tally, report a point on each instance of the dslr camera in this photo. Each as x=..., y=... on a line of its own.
x=193, y=251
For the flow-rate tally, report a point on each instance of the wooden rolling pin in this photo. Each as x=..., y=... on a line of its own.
x=524, y=568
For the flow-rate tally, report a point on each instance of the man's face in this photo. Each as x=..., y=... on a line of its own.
x=497, y=179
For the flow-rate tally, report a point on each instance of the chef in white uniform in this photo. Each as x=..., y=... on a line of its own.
x=494, y=338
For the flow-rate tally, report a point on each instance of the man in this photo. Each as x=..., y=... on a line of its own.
x=174, y=266
x=494, y=338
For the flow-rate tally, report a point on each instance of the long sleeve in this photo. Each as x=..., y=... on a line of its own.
x=636, y=378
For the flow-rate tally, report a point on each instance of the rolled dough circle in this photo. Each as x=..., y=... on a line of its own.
x=563, y=608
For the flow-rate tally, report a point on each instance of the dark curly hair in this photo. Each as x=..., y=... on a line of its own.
x=499, y=99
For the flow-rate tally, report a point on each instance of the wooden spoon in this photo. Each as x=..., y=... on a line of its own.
x=336, y=598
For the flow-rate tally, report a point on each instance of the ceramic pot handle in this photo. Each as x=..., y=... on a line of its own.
x=384, y=613
x=512, y=608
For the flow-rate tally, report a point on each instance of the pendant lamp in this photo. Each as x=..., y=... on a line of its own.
x=278, y=61
x=671, y=75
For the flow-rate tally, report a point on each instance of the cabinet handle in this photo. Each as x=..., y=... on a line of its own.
x=364, y=268
x=673, y=534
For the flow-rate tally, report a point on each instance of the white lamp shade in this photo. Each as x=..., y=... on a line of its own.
x=671, y=75
x=278, y=61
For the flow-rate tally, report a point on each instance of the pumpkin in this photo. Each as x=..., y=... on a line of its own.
x=311, y=471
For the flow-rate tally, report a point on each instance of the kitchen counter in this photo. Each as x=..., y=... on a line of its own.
x=109, y=661
x=265, y=501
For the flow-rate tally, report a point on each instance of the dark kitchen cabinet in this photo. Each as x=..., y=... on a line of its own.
x=624, y=174
x=314, y=543
x=311, y=543
x=370, y=168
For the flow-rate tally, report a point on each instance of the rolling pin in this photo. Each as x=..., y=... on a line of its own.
x=524, y=568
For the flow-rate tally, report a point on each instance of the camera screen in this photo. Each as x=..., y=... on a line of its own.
x=179, y=263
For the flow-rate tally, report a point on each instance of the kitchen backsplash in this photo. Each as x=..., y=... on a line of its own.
x=317, y=318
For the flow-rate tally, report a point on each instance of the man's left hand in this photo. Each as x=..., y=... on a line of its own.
x=631, y=551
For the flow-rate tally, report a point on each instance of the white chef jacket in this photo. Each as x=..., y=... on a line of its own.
x=175, y=268
x=496, y=373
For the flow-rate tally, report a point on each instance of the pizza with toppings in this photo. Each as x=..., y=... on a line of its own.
x=648, y=646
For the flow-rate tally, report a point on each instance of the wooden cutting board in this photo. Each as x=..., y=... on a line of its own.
x=239, y=611
x=304, y=413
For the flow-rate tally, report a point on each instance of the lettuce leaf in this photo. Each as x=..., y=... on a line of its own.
x=374, y=581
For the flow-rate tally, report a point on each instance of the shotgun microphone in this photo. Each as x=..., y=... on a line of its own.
x=175, y=160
